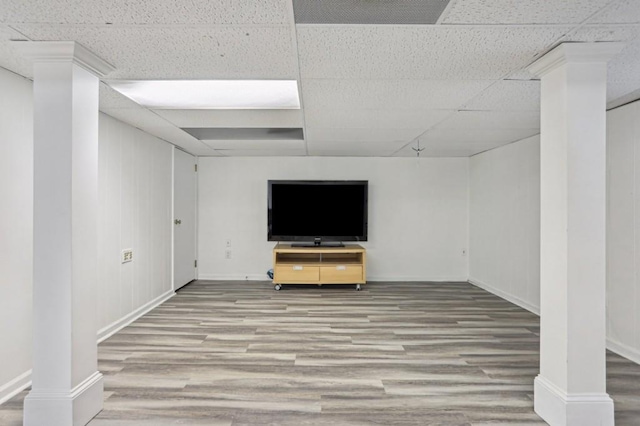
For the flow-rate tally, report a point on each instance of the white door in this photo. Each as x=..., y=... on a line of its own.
x=184, y=218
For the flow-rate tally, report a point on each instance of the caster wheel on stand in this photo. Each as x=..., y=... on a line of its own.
x=277, y=287
x=358, y=288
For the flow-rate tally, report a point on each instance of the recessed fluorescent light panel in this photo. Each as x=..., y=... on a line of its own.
x=211, y=94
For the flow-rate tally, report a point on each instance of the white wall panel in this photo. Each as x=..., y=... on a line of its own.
x=16, y=230
x=418, y=224
x=504, y=226
x=623, y=230
x=504, y=211
x=134, y=212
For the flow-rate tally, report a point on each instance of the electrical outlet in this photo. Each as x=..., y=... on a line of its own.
x=228, y=243
x=227, y=254
x=127, y=255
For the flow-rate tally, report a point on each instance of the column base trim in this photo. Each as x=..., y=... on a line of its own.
x=558, y=408
x=75, y=407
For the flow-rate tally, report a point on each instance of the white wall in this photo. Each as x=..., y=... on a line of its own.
x=623, y=230
x=16, y=230
x=134, y=183
x=504, y=212
x=134, y=212
x=418, y=222
x=504, y=216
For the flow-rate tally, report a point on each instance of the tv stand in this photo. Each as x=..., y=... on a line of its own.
x=319, y=265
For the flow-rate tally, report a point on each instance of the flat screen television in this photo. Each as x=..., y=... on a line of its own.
x=316, y=212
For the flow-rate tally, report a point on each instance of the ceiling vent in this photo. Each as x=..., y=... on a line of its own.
x=391, y=12
x=244, y=133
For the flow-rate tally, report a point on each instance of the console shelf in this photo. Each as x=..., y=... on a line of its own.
x=319, y=265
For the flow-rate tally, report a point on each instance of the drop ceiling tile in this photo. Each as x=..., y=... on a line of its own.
x=262, y=153
x=436, y=137
x=9, y=56
x=441, y=153
x=419, y=52
x=361, y=135
x=111, y=99
x=508, y=95
x=264, y=145
x=602, y=33
x=473, y=120
x=233, y=118
x=322, y=152
x=232, y=52
x=521, y=12
x=374, y=118
x=193, y=12
x=355, y=146
x=407, y=95
x=622, y=92
x=620, y=12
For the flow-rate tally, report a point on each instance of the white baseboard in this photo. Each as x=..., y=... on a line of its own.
x=372, y=278
x=632, y=354
x=558, y=408
x=15, y=386
x=234, y=277
x=414, y=278
x=500, y=293
x=111, y=329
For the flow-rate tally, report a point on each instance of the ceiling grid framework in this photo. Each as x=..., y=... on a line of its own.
x=373, y=77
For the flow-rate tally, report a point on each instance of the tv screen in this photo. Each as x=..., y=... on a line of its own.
x=317, y=210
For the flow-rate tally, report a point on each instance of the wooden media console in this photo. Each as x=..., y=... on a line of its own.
x=319, y=265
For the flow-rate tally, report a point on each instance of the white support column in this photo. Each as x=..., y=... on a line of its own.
x=571, y=387
x=67, y=387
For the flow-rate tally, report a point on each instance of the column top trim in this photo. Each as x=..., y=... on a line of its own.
x=575, y=53
x=64, y=51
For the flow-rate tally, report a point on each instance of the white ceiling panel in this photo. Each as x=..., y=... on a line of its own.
x=622, y=92
x=110, y=99
x=9, y=56
x=437, y=137
x=488, y=120
x=389, y=94
x=244, y=145
x=374, y=118
x=447, y=151
x=313, y=134
x=145, y=12
x=353, y=152
x=620, y=12
x=261, y=153
x=508, y=95
x=369, y=146
x=521, y=12
x=419, y=52
x=233, y=118
x=232, y=52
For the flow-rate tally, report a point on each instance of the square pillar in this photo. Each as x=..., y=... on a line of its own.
x=67, y=387
x=571, y=387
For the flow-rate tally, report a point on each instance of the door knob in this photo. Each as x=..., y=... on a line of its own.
x=177, y=221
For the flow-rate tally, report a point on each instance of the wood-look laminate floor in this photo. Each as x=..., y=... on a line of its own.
x=240, y=353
